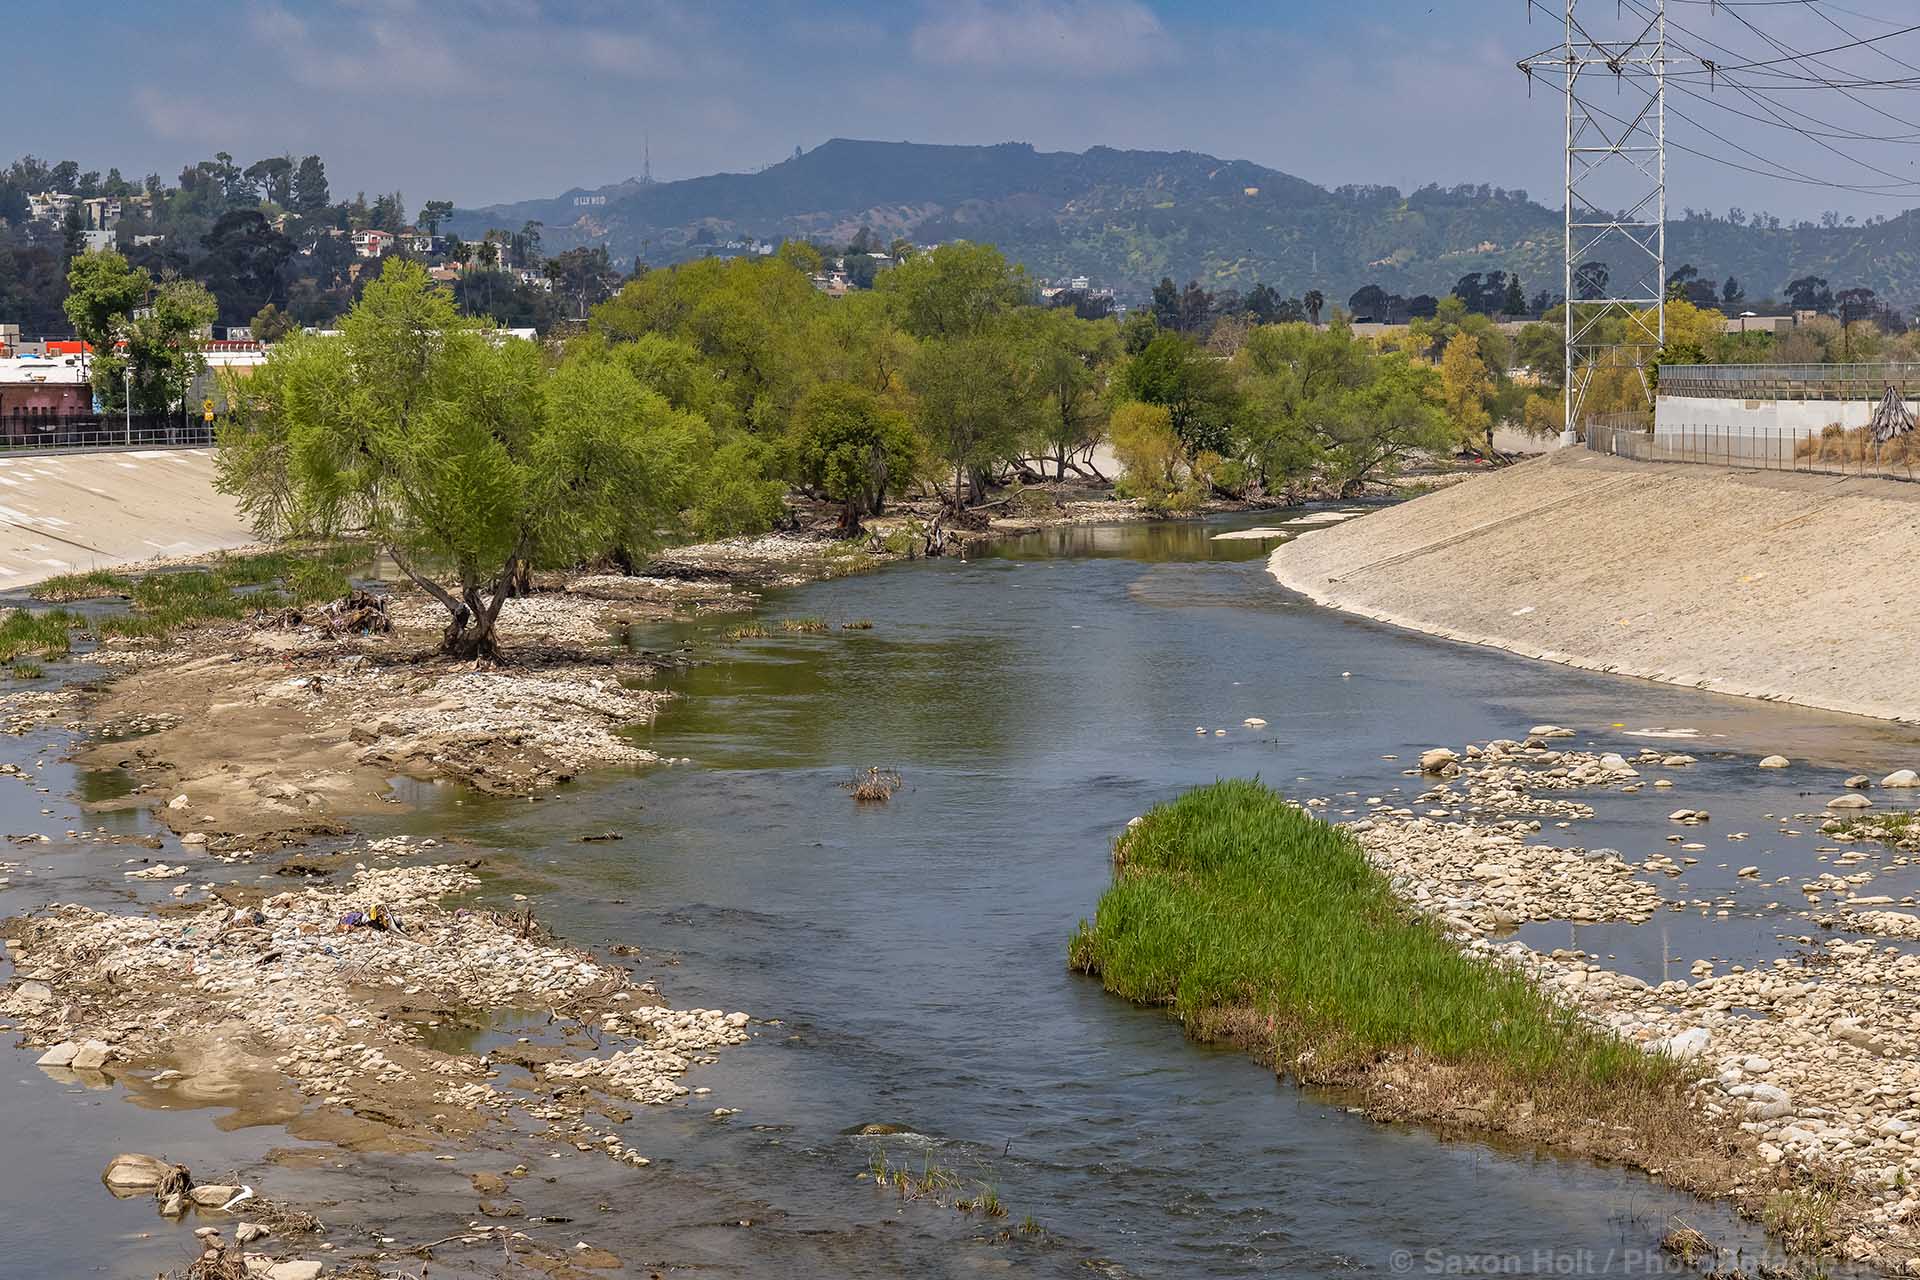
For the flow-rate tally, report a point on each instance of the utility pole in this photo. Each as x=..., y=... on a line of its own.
x=1614, y=272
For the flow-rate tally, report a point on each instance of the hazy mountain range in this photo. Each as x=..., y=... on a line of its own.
x=1127, y=218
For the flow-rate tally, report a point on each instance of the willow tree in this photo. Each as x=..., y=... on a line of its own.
x=456, y=449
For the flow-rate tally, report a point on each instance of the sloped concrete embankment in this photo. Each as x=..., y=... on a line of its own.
x=1786, y=587
x=72, y=512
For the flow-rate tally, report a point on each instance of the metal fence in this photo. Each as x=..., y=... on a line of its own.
x=1790, y=381
x=1849, y=453
x=22, y=433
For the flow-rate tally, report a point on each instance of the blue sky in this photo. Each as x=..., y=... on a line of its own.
x=483, y=100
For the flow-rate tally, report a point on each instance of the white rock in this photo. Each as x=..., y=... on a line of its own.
x=1253, y=722
x=1436, y=759
x=301, y=1269
x=1775, y=762
x=1549, y=731
x=91, y=1055
x=178, y=802
x=61, y=1055
x=1683, y=1045
x=1901, y=778
x=1852, y=800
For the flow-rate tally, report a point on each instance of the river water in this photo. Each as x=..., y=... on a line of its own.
x=911, y=955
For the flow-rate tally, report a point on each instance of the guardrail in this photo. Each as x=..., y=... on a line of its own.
x=1862, y=381
x=21, y=434
x=1850, y=453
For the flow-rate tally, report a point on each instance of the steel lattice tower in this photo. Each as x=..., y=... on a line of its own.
x=1615, y=212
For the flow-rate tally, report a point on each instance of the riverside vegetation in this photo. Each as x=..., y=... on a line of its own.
x=1255, y=922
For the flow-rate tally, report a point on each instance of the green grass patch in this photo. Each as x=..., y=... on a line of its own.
x=45, y=634
x=94, y=584
x=1253, y=920
x=26, y=670
x=230, y=587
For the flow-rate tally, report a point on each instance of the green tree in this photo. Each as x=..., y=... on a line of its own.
x=1070, y=358
x=975, y=400
x=959, y=290
x=270, y=324
x=850, y=446
x=1137, y=331
x=433, y=213
x=1153, y=462
x=450, y=445
x=309, y=187
x=1196, y=389
x=102, y=292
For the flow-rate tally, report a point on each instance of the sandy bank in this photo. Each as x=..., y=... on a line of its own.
x=1782, y=587
x=73, y=512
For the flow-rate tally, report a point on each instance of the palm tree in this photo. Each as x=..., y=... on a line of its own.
x=1313, y=302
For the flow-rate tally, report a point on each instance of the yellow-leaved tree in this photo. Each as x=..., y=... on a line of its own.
x=1465, y=386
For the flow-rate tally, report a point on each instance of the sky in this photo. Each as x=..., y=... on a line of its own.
x=479, y=101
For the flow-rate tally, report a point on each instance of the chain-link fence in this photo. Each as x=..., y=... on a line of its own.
x=1833, y=451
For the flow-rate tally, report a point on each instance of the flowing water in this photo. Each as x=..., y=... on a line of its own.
x=1034, y=698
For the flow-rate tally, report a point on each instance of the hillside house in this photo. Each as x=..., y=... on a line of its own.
x=373, y=243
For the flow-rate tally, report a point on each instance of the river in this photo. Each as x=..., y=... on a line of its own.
x=1033, y=697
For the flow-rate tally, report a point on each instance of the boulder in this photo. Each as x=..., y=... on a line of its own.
x=1683, y=1045
x=1549, y=731
x=61, y=1055
x=132, y=1172
x=33, y=993
x=1859, y=782
x=1852, y=800
x=212, y=1195
x=299, y=1269
x=1775, y=762
x=248, y=1232
x=91, y=1055
x=1437, y=759
x=1901, y=778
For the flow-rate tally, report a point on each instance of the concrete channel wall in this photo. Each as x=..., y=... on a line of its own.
x=67, y=512
x=1771, y=585
x=1760, y=418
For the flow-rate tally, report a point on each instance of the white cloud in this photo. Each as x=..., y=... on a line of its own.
x=1072, y=37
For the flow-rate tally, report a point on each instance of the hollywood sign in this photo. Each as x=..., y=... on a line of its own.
x=580, y=200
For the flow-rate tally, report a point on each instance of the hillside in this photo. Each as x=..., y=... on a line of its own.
x=1126, y=218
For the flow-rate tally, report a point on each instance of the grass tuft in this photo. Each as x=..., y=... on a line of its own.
x=1250, y=919
x=95, y=584
x=26, y=671
x=805, y=625
x=45, y=634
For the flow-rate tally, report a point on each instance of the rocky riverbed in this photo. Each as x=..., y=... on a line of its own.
x=343, y=992
x=1810, y=1061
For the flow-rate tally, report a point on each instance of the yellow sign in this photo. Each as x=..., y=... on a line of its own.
x=206, y=408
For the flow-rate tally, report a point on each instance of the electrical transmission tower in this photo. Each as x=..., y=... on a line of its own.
x=1613, y=64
